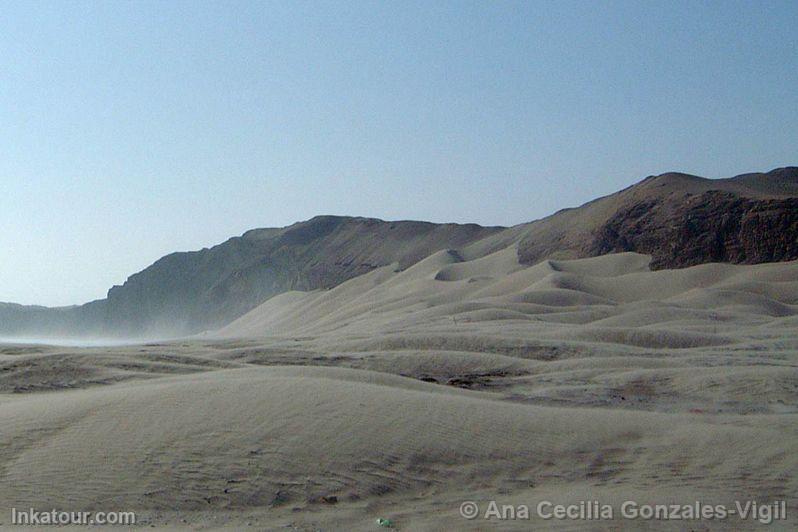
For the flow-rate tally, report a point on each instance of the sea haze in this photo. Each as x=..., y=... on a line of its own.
x=72, y=342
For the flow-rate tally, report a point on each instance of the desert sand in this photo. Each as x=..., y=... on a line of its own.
x=401, y=393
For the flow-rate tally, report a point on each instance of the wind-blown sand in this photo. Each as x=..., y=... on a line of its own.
x=401, y=394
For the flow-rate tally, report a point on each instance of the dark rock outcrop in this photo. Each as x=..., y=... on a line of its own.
x=714, y=226
x=678, y=219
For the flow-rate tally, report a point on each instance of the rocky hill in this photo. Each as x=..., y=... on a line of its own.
x=189, y=292
x=678, y=219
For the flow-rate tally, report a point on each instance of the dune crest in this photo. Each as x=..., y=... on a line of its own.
x=604, y=299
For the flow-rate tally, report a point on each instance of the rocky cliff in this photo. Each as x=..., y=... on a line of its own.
x=679, y=219
x=714, y=226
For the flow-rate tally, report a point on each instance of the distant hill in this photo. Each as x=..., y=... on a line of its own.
x=678, y=219
x=185, y=293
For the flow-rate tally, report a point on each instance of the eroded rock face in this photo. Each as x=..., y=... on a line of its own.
x=715, y=226
x=679, y=219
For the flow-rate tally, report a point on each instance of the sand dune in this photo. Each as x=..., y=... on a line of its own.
x=402, y=393
x=280, y=438
x=496, y=288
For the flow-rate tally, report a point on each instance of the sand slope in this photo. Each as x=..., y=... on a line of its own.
x=276, y=438
x=610, y=297
x=402, y=393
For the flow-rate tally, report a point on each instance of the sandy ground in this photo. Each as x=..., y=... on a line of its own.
x=402, y=394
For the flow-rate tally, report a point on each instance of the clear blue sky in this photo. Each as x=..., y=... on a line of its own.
x=132, y=129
